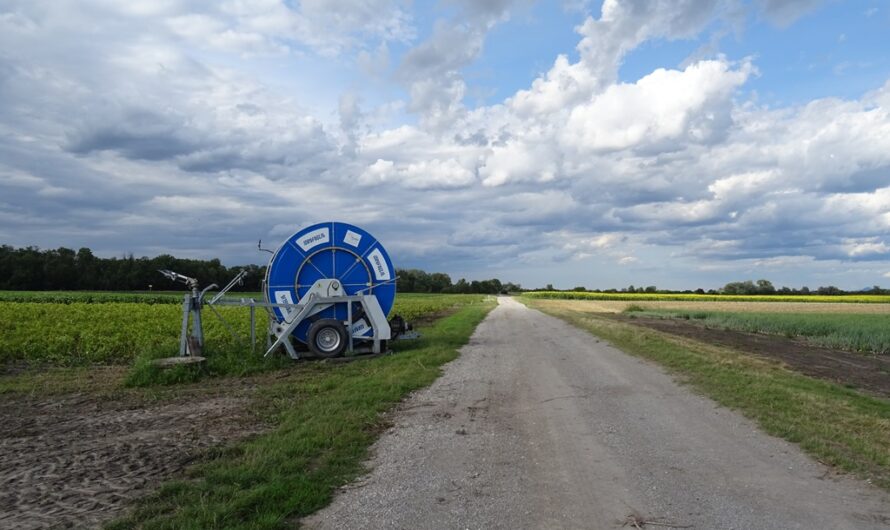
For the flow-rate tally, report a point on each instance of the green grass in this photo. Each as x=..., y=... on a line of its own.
x=836, y=425
x=868, y=333
x=325, y=417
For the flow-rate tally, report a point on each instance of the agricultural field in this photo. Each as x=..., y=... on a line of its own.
x=857, y=332
x=262, y=441
x=654, y=297
x=847, y=343
x=619, y=306
x=77, y=329
x=844, y=339
x=94, y=297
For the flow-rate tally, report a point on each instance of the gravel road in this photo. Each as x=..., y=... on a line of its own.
x=539, y=425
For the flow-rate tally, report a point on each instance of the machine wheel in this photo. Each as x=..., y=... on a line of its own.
x=327, y=338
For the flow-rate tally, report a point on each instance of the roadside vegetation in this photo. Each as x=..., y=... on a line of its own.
x=867, y=333
x=837, y=425
x=323, y=417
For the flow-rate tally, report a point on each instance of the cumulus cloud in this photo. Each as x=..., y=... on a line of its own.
x=431, y=174
x=154, y=135
x=432, y=69
x=665, y=106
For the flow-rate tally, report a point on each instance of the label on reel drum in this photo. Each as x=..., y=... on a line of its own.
x=351, y=238
x=283, y=297
x=381, y=271
x=314, y=238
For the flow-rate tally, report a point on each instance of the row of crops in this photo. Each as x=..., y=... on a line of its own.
x=868, y=333
x=644, y=297
x=92, y=330
x=98, y=297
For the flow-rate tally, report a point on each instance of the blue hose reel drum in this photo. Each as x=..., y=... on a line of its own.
x=330, y=250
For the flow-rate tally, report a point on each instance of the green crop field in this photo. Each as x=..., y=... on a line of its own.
x=586, y=295
x=868, y=333
x=301, y=430
x=95, y=297
x=71, y=329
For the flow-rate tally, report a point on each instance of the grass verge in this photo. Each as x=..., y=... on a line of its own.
x=325, y=417
x=836, y=425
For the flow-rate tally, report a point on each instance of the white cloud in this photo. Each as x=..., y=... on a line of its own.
x=433, y=174
x=665, y=106
x=166, y=111
x=520, y=161
x=865, y=247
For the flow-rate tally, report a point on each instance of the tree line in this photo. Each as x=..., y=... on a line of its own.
x=746, y=287
x=418, y=281
x=64, y=269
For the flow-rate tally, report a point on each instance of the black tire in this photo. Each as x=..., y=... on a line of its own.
x=327, y=338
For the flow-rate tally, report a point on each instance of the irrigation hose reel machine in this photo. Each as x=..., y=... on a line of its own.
x=328, y=290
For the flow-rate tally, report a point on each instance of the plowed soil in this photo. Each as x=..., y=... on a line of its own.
x=73, y=461
x=870, y=373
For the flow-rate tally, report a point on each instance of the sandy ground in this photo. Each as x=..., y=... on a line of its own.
x=74, y=461
x=538, y=425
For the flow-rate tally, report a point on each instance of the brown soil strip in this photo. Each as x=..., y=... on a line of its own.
x=865, y=372
x=75, y=460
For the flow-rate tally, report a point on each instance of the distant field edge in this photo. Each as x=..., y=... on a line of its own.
x=323, y=420
x=680, y=297
x=836, y=425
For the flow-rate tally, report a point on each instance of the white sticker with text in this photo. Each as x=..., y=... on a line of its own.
x=352, y=238
x=314, y=238
x=284, y=297
x=381, y=271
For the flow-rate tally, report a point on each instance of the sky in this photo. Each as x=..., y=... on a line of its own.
x=681, y=143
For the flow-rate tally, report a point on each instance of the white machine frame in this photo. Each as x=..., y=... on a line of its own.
x=322, y=295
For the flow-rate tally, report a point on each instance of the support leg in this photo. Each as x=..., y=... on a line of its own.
x=183, y=335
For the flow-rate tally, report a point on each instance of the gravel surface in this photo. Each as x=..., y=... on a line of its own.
x=539, y=425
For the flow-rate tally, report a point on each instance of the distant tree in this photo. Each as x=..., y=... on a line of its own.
x=580, y=289
x=631, y=289
x=511, y=287
x=60, y=271
x=765, y=287
x=439, y=281
x=829, y=290
x=549, y=287
x=651, y=289
x=746, y=287
x=462, y=287
x=699, y=291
